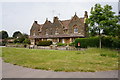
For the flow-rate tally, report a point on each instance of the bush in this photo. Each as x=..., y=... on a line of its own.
x=44, y=43
x=72, y=44
x=16, y=41
x=27, y=41
x=2, y=43
x=19, y=40
x=61, y=44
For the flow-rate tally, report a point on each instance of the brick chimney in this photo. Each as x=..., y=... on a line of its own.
x=35, y=22
x=86, y=14
x=55, y=19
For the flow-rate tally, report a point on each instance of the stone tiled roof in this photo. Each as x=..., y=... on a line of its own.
x=36, y=26
x=65, y=23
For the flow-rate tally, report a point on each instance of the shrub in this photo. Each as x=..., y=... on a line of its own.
x=61, y=44
x=72, y=44
x=16, y=41
x=2, y=43
x=19, y=40
x=44, y=43
x=27, y=41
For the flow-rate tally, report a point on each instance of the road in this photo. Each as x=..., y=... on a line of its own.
x=14, y=71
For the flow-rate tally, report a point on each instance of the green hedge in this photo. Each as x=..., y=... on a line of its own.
x=87, y=42
x=44, y=43
x=61, y=44
x=72, y=44
x=109, y=42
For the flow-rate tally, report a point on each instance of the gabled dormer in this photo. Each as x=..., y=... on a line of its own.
x=46, y=27
x=47, y=23
x=75, y=17
x=35, y=28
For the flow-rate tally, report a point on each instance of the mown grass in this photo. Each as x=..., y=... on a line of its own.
x=89, y=60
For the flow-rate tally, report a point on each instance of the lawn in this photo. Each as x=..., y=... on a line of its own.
x=89, y=60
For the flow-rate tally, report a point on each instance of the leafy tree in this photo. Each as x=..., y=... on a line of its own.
x=3, y=34
x=103, y=20
x=23, y=38
x=17, y=34
x=25, y=35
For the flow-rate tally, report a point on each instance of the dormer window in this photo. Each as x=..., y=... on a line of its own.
x=75, y=29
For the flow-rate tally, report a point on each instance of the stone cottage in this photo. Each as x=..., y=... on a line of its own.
x=64, y=31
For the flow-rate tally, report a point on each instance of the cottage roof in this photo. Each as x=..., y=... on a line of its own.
x=65, y=23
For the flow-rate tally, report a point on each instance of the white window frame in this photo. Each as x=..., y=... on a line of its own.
x=75, y=30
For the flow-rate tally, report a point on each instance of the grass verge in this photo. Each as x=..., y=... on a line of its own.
x=89, y=60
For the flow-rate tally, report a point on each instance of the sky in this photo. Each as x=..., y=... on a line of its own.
x=19, y=15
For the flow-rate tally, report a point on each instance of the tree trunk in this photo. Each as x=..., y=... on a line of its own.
x=99, y=40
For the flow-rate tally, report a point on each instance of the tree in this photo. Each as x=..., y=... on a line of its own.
x=22, y=38
x=25, y=35
x=3, y=34
x=17, y=34
x=103, y=20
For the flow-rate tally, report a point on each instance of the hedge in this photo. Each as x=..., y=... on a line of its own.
x=87, y=42
x=109, y=42
x=61, y=44
x=44, y=43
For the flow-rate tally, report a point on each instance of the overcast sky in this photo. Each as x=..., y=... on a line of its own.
x=19, y=16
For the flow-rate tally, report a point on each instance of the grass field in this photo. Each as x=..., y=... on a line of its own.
x=89, y=60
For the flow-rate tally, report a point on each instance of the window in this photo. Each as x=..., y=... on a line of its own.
x=76, y=30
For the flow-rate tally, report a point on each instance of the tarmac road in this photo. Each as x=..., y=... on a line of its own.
x=14, y=71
